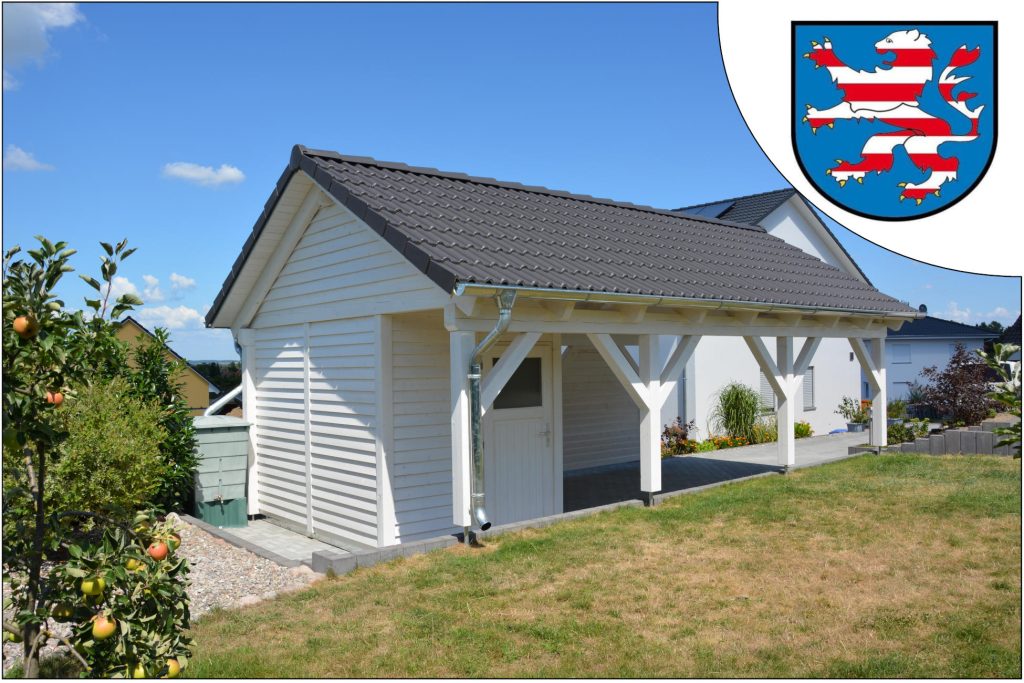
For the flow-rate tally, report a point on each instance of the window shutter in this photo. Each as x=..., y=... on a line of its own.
x=809, y=389
x=767, y=395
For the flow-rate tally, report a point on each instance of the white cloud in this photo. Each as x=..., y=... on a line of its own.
x=26, y=32
x=17, y=159
x=204, y=175
x=969, y=317
x=171, y=317
x=182, y=281
x=151, y=293
x=121, y=285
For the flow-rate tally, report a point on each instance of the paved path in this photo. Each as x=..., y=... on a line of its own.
x=613, y=483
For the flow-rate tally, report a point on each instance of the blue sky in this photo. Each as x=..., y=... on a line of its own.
x=170, y=124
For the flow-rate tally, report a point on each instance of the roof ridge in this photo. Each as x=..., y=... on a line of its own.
x=536, y=189
x=736, y=199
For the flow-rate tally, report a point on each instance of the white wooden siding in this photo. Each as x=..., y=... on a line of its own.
x=421, y=469
x=281, y=423
x=601, y=423
x=316, y=418
x=341, y=268
x=342, y=426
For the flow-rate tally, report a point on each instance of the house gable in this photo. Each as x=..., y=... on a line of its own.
x=341, y=268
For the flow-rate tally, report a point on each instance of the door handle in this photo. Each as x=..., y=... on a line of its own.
x=546, y=434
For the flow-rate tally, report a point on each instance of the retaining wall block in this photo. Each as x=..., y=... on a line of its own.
x=953, y=441
x=969, y=442
x=985, y=442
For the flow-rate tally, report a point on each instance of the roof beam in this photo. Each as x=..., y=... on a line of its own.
x=495, y=380
x=631, y=313
x=621, y=368
x=559, y=310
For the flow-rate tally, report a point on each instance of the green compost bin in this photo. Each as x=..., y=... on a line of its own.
x=222, y=442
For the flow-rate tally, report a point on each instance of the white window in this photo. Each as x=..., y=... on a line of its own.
x=767, y=394
x=809, y=389
x=900, y=390
x=900, y=353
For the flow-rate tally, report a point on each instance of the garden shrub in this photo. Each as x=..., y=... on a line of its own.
x=111, y=458
x=802, y=430
x=728, y=441
x=156, y=378
x=705, y=446
x=897, y=408
x=736, y=411
x=959, y=392
x=677, y=439
x=900, y=432
x=765, y=430
x=853, y=411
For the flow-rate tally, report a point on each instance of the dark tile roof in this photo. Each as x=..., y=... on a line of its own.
x=754, y=208
x=462, y=229
x=937, y=327
x=1011, y=335
x=751, y=209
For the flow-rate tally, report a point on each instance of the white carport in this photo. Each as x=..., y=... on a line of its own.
x=611, y=324
x=362, y=296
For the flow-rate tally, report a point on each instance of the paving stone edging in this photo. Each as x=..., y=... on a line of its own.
x=226, y=535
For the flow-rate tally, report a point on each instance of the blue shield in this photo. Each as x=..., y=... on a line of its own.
x=894, y=121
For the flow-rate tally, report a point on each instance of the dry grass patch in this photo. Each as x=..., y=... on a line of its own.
x=878, y=566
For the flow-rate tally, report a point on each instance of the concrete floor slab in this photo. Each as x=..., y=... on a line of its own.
x=613, y=483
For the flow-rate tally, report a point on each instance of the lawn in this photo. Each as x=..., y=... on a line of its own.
x=878, y=566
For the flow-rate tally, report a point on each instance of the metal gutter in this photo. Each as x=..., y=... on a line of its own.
x=487, y=290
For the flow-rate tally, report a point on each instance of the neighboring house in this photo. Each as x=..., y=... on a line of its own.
x=835, y=372
x=196, y=389
x=924, y=343
x=360, y=297
x=1011, y=335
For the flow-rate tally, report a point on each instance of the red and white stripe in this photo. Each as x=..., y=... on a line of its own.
x=890, y=95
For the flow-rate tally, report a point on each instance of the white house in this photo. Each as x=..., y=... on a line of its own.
x=835, y=372
x=427, y=352
x=924, y=343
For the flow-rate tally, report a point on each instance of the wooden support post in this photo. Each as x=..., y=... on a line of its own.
x=873, y=363
x=650, y=417
x=879, y=407
x=786, y=411
x=784, y=374
x=461, y=352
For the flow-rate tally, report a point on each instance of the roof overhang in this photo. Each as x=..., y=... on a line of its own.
x=487, y=290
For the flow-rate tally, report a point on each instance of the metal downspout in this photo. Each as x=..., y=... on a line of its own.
x=505, y=300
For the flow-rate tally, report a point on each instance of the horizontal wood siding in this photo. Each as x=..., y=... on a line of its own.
x=341, y=268
x=281, y=423
x=342, y=429
x=421, y=470
x=601, y=423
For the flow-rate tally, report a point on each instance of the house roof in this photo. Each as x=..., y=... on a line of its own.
x=754, y=208
x=1011, y=335
x=174, y=353
x=460, y=229
x=750, y=209
x=937, y=327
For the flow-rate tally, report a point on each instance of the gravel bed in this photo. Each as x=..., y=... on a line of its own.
x=222, y=575
x=226, y=576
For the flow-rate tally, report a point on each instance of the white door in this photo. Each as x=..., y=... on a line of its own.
x=519, y=454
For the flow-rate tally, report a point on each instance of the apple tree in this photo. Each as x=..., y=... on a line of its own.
x=116, y=580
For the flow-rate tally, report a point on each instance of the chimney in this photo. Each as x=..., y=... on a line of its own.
x=922, y=308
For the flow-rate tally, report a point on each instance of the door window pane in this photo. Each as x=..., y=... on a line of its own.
x=523, y=389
